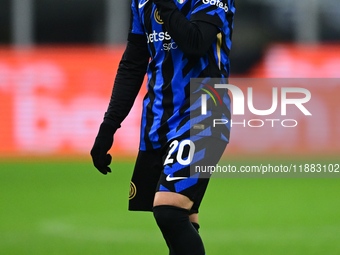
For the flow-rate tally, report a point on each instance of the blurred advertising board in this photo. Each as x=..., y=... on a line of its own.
x=52, y=101
x=299, y=61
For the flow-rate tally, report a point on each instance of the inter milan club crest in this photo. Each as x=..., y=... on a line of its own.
x=181, y=1
x=158, y=17
x=133, y=190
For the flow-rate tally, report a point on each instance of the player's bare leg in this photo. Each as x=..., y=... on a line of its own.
x=171, y=211
x=172, y=198
x=193, y=217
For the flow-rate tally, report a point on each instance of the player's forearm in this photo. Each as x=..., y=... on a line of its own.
x=129, y=79
x=193, y=37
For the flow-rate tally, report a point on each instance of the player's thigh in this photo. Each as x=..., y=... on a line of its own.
x=193, y=217
x=172, y=198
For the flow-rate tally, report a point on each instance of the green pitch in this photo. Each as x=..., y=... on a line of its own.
x=70, y=208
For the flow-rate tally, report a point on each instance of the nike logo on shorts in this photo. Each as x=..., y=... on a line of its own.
x=141, y=5
x=169, y=178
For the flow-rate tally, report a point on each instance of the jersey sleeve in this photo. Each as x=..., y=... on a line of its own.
x=130, y=74
x=212, y=11
x=135, y=24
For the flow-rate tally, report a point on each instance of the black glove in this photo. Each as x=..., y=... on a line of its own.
x=103, y=143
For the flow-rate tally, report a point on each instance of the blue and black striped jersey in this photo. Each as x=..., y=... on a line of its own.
x=169, y=71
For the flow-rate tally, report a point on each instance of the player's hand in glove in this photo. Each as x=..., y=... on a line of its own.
x=103, y=143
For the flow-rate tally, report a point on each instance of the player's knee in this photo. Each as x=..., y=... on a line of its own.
x=168, y=216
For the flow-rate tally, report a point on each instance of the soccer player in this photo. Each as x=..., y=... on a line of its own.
x=171, y=41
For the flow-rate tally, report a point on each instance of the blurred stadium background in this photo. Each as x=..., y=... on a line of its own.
x=58, y=60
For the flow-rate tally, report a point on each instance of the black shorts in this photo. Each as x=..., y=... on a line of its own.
x=171, y=169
